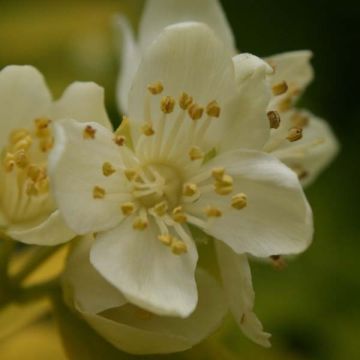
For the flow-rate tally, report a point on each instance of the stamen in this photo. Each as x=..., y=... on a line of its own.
x=9, y=162
x=218, y=173
x=156, y=88
x=212, y=211
x=190, y=189
x=223, y=190
x=147, y=129
x=46, y=144
x=42, y=127
x=36, y=173
x=23, y=144
x=140, y=224
x=278, y=262
x=223, y=185
x=166, y=239
x=18, y=135
x=178, y=247
x=130, y=174
x=300, y=120
x=274, y=119
x=279, y=88
x=127, y=208
x=21, y=159
x=161, y=208
x=119, y=139
x=178, y=215
x=195, y=111
x=167, y=104
x=213, y=109
x=185, y=101
x=195, y=153
x=239, y=201
x=107, y=169
x=98, y=192
x=89, y=132
x=285, y=104
x=294, y=134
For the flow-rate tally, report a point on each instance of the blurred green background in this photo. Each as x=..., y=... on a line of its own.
x=312, y=307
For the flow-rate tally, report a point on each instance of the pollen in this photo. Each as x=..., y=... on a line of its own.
x=274, y=119
x=213, y=109
x=185, y=101
x=294, y=134
x=239, y=201
x=130, y=174
x=166, y=239
x=107, y=169
x=127, y=208
x=178, y=247
x=119, y=139
x=218, y=173
x=167, y=104
x=212, y=211
x=195, y=111
x=140, y=224
x=279, y=88
x=161, y=208
x=147, y=129
x=195, y=153
x=89, y=132
x=178, y=215
x=156, y=88
x=300, y=120
x=190, y=189
x=98, y=192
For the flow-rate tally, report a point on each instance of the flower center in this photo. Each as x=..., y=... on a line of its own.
x=24, y=182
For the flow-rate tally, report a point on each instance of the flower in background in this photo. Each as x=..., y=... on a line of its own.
x=28, y=211
x=298, y=138
x=188, y=154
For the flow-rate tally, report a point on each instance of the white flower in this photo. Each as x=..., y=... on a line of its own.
x=317, y=146
x=128, y=327
x=139, y=194
x=27, y=210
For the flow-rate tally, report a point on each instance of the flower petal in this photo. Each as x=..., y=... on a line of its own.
x=146, y=271
x=130, y=58
x=310, y=155
x=84, y=285
x=75, y=167
x=236, y=276
x=24, y=96
x=51, y=231
x=83, y=101
x=160, y=13
x=277, y=218
x=246, y=124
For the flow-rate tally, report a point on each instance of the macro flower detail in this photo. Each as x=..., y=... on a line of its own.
x=28, y=210
x=142, y=195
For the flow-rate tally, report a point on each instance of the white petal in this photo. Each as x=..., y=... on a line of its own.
x=246, y=122
x=311, y=154
x=51, y=231
x=83, y=285
x=127, y=329
x=185, y=58
x=83, y=101
x=24, y=96
x=236, y=275
x=146, y=271
x=160, y=13
x=130, y=58
x=75, y=167
x=277, y=218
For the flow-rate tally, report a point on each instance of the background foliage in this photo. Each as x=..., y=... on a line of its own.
x=312, y=307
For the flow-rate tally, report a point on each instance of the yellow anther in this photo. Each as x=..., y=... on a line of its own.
x=156, y=88
x=140, y=224
x=178, y=215
x=127, y=208
x=300, y=120
x=278, y=262
x=223, y=190
x=147, y=129
x=274, y=119
x=42, y=186
x=190, y=189
x=178, y=247
x=280, y=88
x=161, y=208
x=18, y=135
x=213, y=109
x=21, y=159
x=212, y=211
x=167, y=104
x=9, y=162
x=23, y=143
x=195, y=153
x=218, y=173
x=46, y=144
x=285, y=104
x=31, y=189
x=225, y=180
x=239, y=201
x=130, y=174
x=166, y=239
x=119, y=139
x=42, y=127
x=185, y=101
x=294, y=134
x=195, y=111
x=98, y=192
x=89, y=132
x=34, y=172
x=107, y=169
